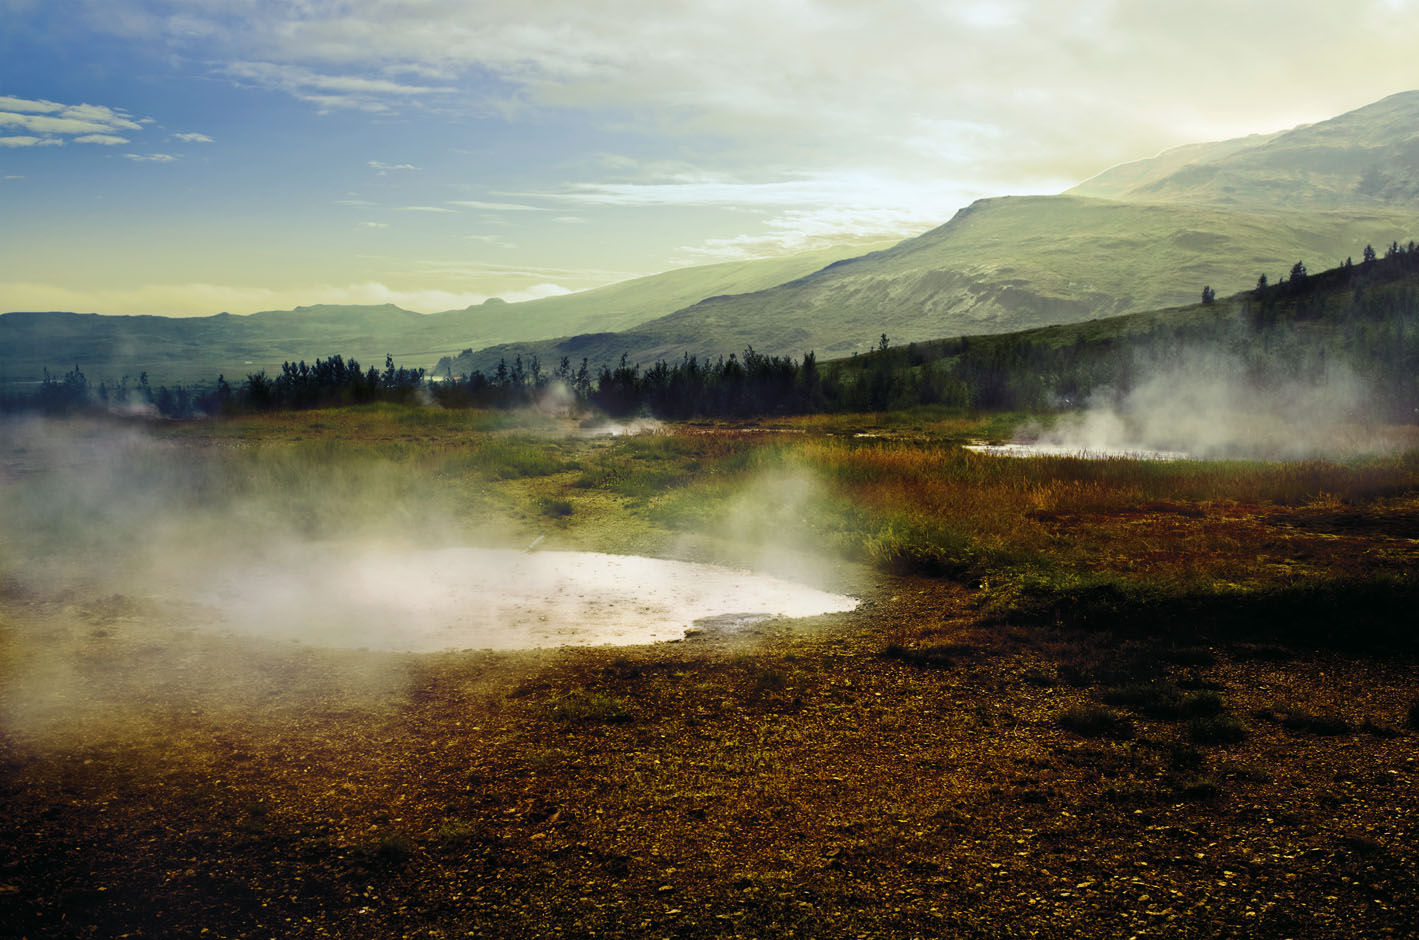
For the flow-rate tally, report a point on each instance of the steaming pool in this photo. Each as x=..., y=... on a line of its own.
x=427, y=600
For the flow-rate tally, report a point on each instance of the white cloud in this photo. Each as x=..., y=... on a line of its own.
x=193, y=138
x=151, y=157
x=437, y=209
x=47, y=124
x=327, y=91
x=495, y=206
x=25, y=140
x=384, y=168
x=1072, y=86
x=9, y=103
x=371, y=225
x=354, y=202
x=50, y=123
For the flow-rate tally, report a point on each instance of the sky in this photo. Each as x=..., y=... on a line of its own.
x=188, y=157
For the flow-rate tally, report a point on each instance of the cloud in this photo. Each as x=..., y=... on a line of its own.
x=792, y=214
x=495, y=206
x=355, y=202
x=437, y=209
x=193, y=138
x=371, y=225
x=327, y=91
x=151, y=157
x=10, y=103
x=384, y=168
x=25, y=140
x=1068, y=88
x=50, y=123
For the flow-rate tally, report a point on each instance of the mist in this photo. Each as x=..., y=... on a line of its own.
x=138, y=558
x=1210, y=404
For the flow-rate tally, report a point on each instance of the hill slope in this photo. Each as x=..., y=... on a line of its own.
x=999, y=265
x=198, y=349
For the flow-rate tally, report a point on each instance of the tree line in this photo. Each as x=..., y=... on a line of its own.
x=1365, y=314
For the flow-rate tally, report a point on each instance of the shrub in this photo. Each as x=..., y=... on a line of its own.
x=937, y=656
x=1203, y=704
x=555, y=507
x=1216, y=729
x=394, y=848
x=1315, y=724
x=1153, y=699
x=1095, y=721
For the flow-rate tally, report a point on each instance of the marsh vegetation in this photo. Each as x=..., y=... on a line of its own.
x=1079, y=696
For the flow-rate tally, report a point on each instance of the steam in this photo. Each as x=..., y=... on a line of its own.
x=143, y=555
x=1216, y=407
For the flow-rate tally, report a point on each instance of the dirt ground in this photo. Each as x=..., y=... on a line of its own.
x=902, y=770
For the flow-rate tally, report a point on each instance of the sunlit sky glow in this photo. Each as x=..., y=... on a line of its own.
x=185, y=157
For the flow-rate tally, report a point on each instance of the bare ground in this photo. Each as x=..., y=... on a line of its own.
x=790, y=780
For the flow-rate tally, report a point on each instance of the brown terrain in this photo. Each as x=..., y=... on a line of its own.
x=789, y=780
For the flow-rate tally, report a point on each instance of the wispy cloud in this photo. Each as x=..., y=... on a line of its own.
x=108, y=140
x=436, y=209
x=371, y=225
x=495, y=206
x=355, y=202
x=193, y=138
x=152, y=157
x=330, y=91
x=384, y=168
x=26, y=140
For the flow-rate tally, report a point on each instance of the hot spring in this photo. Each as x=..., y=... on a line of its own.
x=426, y=600
x=1045, y=449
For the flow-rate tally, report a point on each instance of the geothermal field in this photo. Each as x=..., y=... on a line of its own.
x=399, y=671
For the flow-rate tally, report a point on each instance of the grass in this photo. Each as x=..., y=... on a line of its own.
x=752, y=765
x=590, y=707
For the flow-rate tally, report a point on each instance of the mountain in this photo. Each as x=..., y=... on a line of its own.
x=198, y=349
x=1144, y=235
x=1000, y=265
x=1367, y=158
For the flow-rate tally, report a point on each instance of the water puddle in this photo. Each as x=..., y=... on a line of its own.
x=425, y=600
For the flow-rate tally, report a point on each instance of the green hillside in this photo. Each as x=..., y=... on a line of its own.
x=197, y=349
x=999, y=265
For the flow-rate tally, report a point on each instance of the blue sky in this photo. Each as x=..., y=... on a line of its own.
x=184, y=158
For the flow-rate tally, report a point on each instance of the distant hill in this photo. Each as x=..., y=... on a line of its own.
x=198, y=349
